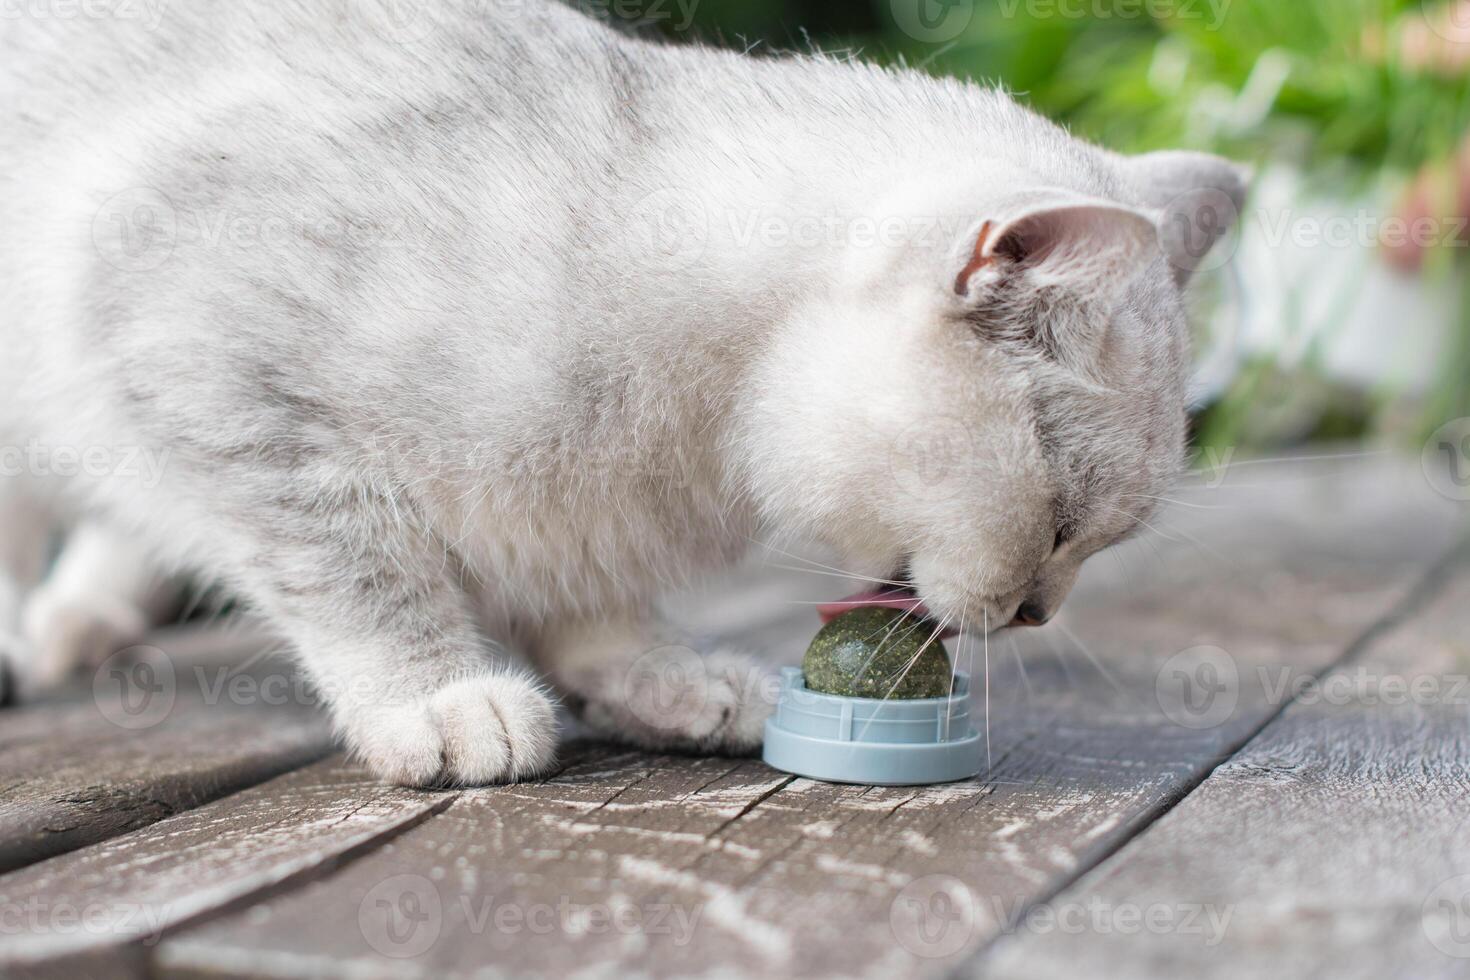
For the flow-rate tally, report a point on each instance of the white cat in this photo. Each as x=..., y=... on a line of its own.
x=482, y=334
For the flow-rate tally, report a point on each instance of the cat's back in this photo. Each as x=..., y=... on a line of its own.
x=250, y=188
x=65, y=78
x=270, y=139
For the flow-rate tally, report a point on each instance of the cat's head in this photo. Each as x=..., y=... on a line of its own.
x=983, y=408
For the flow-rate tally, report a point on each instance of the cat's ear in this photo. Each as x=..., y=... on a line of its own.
x=1058, y=239
x=1200, y=199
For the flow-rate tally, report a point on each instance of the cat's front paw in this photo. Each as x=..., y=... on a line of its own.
x=494, y=728
x=673, y=697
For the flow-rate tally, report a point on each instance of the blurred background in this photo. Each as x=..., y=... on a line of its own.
x=1342, y=311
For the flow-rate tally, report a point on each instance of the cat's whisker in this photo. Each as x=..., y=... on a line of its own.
x=888, y=637
x=913, y=661
x=1185, y=538
x=908, y=666
x=1176, y=503
x=1140, y=521
x=842, y=575
x=1215, y=471
x=1096, y=661
x=908, y=631
x=989, y=763
x=1060, y=657
x=1202, y=546
x=1154, y=550
x=1021, y=665
x=954, y=662
x=1217, y=485
x=816, y=565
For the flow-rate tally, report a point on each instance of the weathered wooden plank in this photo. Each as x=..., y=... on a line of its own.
x=1334, y=845
x=198, y=721
x=81, y=911
x=750, y=872
x=563, y=833
x=76, y=711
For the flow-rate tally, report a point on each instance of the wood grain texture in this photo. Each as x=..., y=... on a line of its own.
x=84, y=910
x=1093, y=734
x=134, y=747
x=197, y=651
x=447, y=890
x=1334, y=845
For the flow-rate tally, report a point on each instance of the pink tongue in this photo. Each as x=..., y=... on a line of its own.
x=880, y=599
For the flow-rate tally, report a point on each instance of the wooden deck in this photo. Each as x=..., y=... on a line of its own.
x=1244, y=750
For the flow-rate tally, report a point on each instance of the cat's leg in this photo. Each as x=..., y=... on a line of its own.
x=375, y=608
x=26, y=525
x=102, y=596
x=637, y=681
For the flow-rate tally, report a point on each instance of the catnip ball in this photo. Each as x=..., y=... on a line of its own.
x=874, y=652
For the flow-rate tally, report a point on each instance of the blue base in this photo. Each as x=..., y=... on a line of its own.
x=872, y=742
x=872, y=763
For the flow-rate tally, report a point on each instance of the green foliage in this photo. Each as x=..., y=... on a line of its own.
x=1320, y=78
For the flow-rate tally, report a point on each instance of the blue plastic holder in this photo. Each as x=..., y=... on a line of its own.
x=870, y=741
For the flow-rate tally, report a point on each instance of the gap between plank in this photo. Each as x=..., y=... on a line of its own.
x=321, y=871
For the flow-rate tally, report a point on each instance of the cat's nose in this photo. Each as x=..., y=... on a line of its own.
x=1031, y=613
